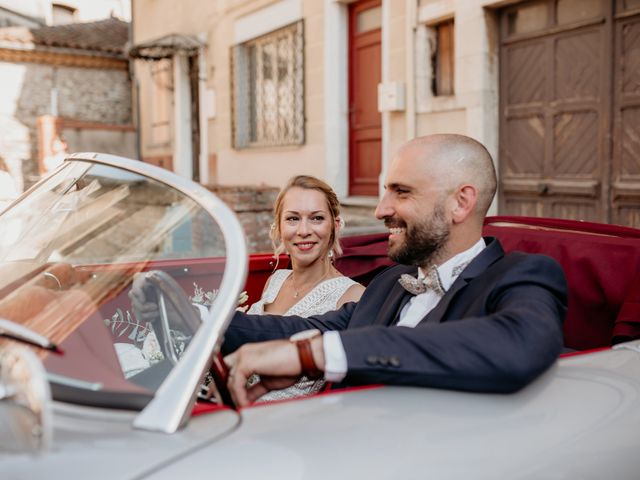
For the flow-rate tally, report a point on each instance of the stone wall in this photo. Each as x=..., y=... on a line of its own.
x=85, y=94
x=94, y=95
x=254, y=208
x=92, y=138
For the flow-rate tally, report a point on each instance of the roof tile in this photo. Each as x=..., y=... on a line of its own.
x=107, y=36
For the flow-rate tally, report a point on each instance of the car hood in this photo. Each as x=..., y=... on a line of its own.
x=579, y=419
x=98, y=444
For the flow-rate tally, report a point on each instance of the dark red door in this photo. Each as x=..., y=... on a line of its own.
x=365, y=123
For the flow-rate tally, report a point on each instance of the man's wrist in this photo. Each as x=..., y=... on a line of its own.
x=335, y=358
x=317, y=350
x=309, y=346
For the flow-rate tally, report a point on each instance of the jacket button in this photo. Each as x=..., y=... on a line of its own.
x=372, y=360
x=384, y=361
x=394, y=361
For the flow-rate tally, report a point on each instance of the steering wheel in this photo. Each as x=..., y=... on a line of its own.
x=182, y=314
x=169, y=293
x=220, y=374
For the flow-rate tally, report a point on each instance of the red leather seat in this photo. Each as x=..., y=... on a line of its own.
x=601, y=264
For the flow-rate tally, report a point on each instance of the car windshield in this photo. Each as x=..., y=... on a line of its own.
x=69, y=251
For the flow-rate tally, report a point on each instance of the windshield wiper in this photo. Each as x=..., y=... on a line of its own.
x=20, y=333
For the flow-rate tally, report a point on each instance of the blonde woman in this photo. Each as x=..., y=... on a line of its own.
x=306, y=227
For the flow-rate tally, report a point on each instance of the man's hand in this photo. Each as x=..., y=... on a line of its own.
x=276, y=362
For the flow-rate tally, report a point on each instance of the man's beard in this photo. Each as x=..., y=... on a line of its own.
x=422, y=242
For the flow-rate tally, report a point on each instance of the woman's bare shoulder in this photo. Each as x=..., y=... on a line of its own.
x=353, y=294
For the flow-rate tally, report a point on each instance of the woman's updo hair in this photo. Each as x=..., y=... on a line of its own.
x=307, y=182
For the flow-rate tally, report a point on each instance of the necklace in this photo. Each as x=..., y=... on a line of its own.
x=297, y=291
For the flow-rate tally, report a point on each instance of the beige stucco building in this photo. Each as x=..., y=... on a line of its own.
x=254, y=91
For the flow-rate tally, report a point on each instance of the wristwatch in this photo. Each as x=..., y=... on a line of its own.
x=302, y=340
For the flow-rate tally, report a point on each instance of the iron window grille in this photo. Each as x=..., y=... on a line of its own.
x=268, y=89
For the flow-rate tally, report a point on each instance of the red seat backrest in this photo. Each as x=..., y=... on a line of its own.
x=601, y=264
x=363, y=256
x=602, y=267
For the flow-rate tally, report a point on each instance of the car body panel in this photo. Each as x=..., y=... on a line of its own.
x=546, y=431
x=564, y=425
x=98, y=443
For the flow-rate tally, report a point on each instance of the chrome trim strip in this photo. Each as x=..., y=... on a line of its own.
x=20, y=332
x=73, y=382
x=171, y=407
x=633, y=345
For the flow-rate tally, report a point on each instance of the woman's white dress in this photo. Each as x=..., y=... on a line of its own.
x=322, y=298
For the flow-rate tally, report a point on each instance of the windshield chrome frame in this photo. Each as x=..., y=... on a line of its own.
x=171, y=406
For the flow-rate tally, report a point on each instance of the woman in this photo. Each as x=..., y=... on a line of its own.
x=306, y=227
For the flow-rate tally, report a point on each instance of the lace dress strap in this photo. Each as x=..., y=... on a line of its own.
x=271, y=292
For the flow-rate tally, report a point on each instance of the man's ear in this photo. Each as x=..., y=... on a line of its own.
x=465, y=199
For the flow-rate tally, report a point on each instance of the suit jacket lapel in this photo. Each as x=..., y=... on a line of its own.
x=489, y=255
x=396, y=300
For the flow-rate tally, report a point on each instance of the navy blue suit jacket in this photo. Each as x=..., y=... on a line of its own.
x=496, y=329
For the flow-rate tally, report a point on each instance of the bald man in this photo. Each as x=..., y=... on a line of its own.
x=455, y=313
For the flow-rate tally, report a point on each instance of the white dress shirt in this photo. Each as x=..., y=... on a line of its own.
x=335, y=358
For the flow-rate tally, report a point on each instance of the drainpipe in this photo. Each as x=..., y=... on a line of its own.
x=411, y=15
x=202, y=110
x=138, y=120
x=386, y=115
x=182, y=152
x=135, y=87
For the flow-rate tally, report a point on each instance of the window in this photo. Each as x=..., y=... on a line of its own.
x=568, y=11
x=267, y=86
x=369, y=19
x=628, y=4
x=442, y=59
x=533, y=18
x=529, y=18
x=62, y=14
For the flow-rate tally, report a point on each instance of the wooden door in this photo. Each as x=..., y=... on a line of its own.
x=365, y=122
x=625, y=186
x=555, y=123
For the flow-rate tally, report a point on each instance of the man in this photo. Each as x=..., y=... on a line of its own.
x=479, y=320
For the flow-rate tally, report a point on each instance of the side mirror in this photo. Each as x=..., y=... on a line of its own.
x=25, y=402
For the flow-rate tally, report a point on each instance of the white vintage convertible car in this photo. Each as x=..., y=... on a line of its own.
x=89, y=391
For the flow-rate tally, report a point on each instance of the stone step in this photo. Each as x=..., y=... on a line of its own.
x=359, y=216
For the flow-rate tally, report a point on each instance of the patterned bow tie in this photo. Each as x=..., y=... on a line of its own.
x=417, y=286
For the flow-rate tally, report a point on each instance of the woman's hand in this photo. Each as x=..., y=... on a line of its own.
x=61, y=276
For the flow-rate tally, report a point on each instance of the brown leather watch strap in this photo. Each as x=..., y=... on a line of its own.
x=309, y=368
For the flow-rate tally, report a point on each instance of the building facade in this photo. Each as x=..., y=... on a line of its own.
x=65, y=82
x=254, y=91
